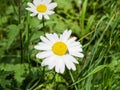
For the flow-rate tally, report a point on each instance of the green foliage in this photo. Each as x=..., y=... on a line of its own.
x=96, y=24
x=13, y=32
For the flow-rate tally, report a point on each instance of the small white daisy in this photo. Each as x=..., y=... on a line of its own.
x=59, y=52
x=42, y=8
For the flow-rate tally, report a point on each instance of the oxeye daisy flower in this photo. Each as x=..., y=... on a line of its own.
x=42, y=8
x=59, y=52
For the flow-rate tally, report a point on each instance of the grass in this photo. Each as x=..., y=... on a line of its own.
x=96, y=24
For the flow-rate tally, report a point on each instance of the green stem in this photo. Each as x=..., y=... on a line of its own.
x=73, y=80
x=43, y=19
x=19, y=22
x=28, y=41
x=43, y=28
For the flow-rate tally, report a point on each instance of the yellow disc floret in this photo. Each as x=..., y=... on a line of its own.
x=41, y=8
x=59, y=48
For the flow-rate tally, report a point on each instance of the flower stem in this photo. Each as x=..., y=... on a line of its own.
x=19, y=21
x=43, y=19
x=28, y=40
x=73, y=80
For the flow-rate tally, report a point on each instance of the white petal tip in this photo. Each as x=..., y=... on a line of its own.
x=37, y=56
x=36, y=47
x=55, y=4
x=76, y=62
x=27, y=8
x=41, y=37
x=74, y=69
x=46, y=17
x=82, y=55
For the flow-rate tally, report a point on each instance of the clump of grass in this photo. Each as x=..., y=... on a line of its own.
x=95, y=23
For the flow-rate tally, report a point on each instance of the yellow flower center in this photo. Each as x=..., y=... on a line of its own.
x=59, y=48
x=41, y=8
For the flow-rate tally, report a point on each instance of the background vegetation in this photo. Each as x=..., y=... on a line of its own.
x=96, y=23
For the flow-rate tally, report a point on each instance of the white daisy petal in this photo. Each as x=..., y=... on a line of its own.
x=52, y=6
x=57, y=68
x=44, y=54
x=56, y=37
x=46, y=17
x=39, y=16
x=42, y=8
x=69, y=62
x=73, y=67
x=49, y=61
x=51, y=37
x=71, y=40
x=37, y=2
x=45, y=62
x=45, y=40
x=73, y=59
x=33, y=14
x=42, y=46
x=75, y=44
x=50, y=12
x=46, y=1
x=31, y=5
x=60, y=51
x=75, y=49
x=30, y=9
x=77, y=54
x=60, y=67
x=51, y=64
x=66, y=34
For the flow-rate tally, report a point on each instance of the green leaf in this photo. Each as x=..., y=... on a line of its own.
x=36, y=35
x=34, y=22
x=89, y=24
x=18, y=69
x=89, y=83
x=13, y=33
x=64, y=4
x=83, y=14
x=97, y=69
